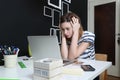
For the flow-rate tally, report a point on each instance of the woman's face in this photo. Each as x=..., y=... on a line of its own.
x=67, y=29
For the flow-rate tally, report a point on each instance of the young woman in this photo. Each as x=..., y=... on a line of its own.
x=76, y=43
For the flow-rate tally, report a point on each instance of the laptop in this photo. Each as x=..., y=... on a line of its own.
x=44, y=46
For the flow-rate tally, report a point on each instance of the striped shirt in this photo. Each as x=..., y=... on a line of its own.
x=90, y=51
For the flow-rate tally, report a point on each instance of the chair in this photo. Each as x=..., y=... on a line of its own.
x=102, y=57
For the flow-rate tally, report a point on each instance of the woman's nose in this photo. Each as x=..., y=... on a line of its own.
x=65, y=32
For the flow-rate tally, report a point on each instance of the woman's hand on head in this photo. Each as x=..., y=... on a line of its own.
x=75, y=24
x=62, y=33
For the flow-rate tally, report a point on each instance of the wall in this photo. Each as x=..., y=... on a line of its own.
x=20, y=18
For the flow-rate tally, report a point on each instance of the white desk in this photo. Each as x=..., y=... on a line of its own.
x=27, y=73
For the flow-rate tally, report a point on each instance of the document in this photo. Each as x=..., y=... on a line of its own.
x=73, y=70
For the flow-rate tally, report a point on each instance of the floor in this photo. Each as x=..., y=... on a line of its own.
x=113, y=78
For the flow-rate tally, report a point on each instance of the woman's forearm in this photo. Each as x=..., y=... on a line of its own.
x=73, y=47
x=64, y=48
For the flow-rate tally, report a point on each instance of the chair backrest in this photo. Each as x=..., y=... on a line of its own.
x=102, y=57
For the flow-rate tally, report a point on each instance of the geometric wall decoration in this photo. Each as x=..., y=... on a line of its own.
x=69, y=1
x=55, y=18
x=65, y=7
x=47, y=11
x=54, y=10
x=55, y=3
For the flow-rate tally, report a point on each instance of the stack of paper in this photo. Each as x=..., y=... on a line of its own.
x=47, y=69
x=42, y=78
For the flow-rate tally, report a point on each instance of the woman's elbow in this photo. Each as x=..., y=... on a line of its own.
x=72, y=56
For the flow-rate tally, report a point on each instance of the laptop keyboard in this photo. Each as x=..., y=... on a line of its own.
x=67, y=62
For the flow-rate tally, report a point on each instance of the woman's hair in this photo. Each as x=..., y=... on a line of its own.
x=68, y=17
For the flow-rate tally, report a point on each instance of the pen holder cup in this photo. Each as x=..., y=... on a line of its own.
x=10, y=61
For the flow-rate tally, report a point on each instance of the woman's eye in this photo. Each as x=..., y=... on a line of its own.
x=67, y=28
x=62, y=29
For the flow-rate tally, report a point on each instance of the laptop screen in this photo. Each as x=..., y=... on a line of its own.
x=44, y=47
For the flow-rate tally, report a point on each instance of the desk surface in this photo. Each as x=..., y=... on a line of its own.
x=27, y=73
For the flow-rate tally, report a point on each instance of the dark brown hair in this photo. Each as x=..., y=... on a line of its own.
x=68, y=17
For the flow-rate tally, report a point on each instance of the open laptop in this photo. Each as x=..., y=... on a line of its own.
x=44, y=46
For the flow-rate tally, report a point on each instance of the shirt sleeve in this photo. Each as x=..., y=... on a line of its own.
x=90, y=38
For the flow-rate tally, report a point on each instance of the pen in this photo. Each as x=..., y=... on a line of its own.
x=9, y=50
x=17, y=51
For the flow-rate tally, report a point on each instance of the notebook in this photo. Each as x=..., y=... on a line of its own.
x=44, y=46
